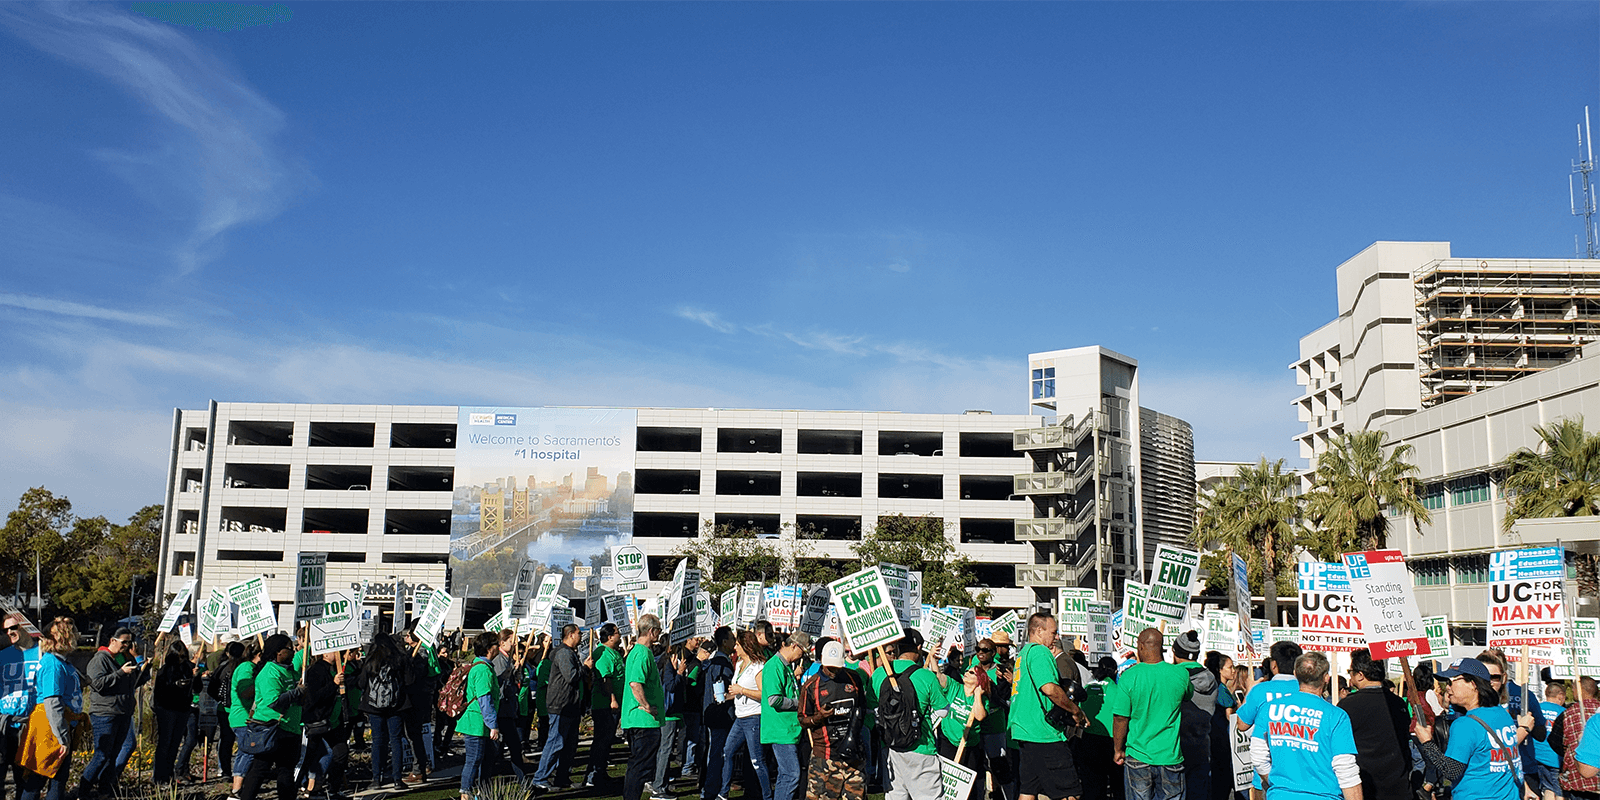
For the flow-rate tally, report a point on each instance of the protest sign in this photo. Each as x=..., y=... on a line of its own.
x=1007, y=622
x=687, y=582
x=1073, y=611
x=784, y=610
x=496, y=623
x=1259, y=629
x=830, y=626
x=728, y=607
x=1582, y=649
x=967, y=629
x=815, y=613
x=180, y=602
x=956, y=780
x=751, y=598
x=214, y=614
x=338, y=627
x=1100, y=635
x=867, y=615
x=617, y=612
x=1527, y=603
x=940, y=625
x=897, y=580
x=1328, y=618
x=913, y=589
x=186, y=634
x=1437, y=629
x=1168, y=595
x=631, y=567
x=544, y=599
x=255, y=606
x=1222, y=632
x=1240, y=588
x=1277, y=634
x=1381, y=587
x=705, y=619
x=1134, y=617
x=310, y=586
x=431, y=618
x=1244, y=770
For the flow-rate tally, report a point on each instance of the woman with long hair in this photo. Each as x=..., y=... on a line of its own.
x=1481, y=758
x=46, y=754
x=746, y=732
x=383, y=683
x=176, y=684
x=967, y=703
x=479, y=724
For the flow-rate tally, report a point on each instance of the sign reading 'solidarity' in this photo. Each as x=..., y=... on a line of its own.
x=1168, y=597
x=629, y=563
x=867, y=614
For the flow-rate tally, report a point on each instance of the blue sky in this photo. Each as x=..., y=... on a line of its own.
x=818, y=205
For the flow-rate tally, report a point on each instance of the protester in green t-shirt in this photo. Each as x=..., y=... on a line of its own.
x=1044, y=762
x=780, y=712
x=1146, y=718
x=273, y=681
x=605, y=704
x=913, y=774
x=241, y=699
x=643, y=708
x=960, y=737
x=479, y=724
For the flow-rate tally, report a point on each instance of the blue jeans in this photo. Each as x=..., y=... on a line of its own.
x=788, y=782
x=711, y=779
x=1151, y=782
x=745, y=733
x=477, y=747
x=241, y=759
x=386, y=733
x=561, y=743
x=113, y=743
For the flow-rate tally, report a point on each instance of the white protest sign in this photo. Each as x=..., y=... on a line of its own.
x=338, y=627
x=180, y=601
x=213, y=613
x=1277, y=634
x=1073, y=611
x=1244, y=770
x=1239, y=586
x=431, y=619
x=867, y=614
x=310, y=586
x=784, y=611
x=1381, y=586
x=1583, y=648
x=1100, y=634
x=255, y=606
x=751, y=598
x=186, y=634
x=496, y=623
x=544, y=599
x=728, y=607
x=897, y=580
x=1328, y=618
x=1168, y=597
x=1438, y=632
x=705, y=620
x=1526, y=599
x=940, y=624
x=815, y=613
x=914, y=589
x=1007, y=623
x=617, y=612
x=631, y=567
x=1222, y=632
x=1258, y=636
x=955, y=780
x=1134, y=617
x=687, y=616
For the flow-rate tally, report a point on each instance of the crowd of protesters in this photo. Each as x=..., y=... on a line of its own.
x=789, y=718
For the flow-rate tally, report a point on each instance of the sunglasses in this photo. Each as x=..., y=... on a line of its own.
x=1493, y=676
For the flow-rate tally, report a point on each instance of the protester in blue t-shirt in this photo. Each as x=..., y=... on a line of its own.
x=1302, y=746
x=1482, y=760
x=1588, y=753
x=19, y=662
x=1283, y=684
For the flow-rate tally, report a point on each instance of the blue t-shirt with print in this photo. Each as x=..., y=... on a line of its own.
x=1542, y=751
x=1303, y=732
x=18, y=669
x=1261, y=694
x=1493, y=773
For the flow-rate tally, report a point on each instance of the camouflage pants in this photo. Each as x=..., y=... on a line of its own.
x=835, y=780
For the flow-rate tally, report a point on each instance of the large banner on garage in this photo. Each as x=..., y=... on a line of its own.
x=551, y=485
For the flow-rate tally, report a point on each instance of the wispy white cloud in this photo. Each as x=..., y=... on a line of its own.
x=71, y=309
x=229, y=170
x=706, y=318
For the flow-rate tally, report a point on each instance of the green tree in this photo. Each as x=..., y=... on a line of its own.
x=1560, y=479
x=38, y=527
x=923, y=543
x=1355, y=481
x=1255, y=514
x=109, y=564
x=727, y=556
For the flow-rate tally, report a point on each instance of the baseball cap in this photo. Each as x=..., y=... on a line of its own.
x=1464, y=666
x=1188, y=643
x=833, y=654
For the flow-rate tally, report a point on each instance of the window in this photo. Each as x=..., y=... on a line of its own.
x=183, y=562
x=1472, y=569
x=1430, y=572
x=1433, y=496
x=1471, y=489
x=1044, y=383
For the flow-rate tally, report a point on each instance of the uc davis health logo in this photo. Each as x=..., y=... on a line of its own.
x=476, y=418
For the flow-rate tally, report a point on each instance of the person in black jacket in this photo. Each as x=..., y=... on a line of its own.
x=564, y=704
x=383, y=679
x=176, y=685
x=1382, y=729
x=716, y=705
x=327, y=713
x=421, y=691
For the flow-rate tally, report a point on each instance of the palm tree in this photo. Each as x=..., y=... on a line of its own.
x=1254, y=514
x=1355, y=480
x=1562, y=480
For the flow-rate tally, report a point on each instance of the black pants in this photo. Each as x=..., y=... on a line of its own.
x=224, y=745
x=1099, y=771
x=412, y=721
x=280, y=762
x=605, y=734
x=643, y=745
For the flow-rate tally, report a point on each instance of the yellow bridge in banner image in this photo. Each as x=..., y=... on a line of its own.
x=494, y=528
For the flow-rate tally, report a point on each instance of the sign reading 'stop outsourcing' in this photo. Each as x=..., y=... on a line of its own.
x=1526, y=601
x=867, y=615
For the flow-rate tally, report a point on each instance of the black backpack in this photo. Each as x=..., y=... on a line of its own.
x=899, y=711
x=383, y=691
x=218, y=689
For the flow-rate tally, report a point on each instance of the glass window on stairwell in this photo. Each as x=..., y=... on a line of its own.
x=1044, y=383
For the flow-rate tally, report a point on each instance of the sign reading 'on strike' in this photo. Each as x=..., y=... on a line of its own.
x=867, y=615
x=1526, y=601
x=1381, y=588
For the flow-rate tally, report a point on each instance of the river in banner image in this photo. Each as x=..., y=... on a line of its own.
x=560, y=546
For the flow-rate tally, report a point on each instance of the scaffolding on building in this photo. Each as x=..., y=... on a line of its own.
x=1481, y=323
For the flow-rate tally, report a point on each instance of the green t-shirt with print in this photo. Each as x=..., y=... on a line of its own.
x=930, y=695
x=959, y=708
x=1151, y=696
x=640, y=667
x=480, y=682
x=1035, y=667
x=238, y=712
x=1097, y=706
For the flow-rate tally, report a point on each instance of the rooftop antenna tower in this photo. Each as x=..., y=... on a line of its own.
x=1585, y=171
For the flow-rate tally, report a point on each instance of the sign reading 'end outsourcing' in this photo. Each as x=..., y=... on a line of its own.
x=867, y=615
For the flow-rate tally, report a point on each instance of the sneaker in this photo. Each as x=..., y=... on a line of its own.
x=414, y=779
x=663, y=796
x=588, y=781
